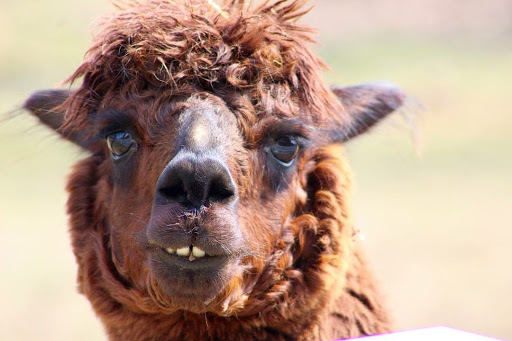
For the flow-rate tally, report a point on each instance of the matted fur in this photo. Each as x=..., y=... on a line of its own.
x=308, y=281
x=181, y=47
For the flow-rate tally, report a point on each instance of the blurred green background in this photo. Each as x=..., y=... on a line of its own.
x=438, y=226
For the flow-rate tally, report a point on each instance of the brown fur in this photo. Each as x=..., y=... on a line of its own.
x=303, y=275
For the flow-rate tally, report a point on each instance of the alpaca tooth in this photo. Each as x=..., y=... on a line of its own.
x=197, y=252
x=183, y=252
x=170, y=250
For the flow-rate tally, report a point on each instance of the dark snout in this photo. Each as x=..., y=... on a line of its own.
x=195, y=181
x=194, y=239
x=195, y=208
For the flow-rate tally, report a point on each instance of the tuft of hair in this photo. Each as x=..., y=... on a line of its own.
x=180, y=47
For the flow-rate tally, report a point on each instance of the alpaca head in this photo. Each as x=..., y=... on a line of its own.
x=214, y=182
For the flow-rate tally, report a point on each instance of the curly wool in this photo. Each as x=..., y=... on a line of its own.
x=181, y=47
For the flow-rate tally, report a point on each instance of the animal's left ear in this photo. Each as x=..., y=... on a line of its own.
x=366, y=104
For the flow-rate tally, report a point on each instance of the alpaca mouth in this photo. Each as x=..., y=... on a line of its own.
x=189, y=275
x=191, y=258
x=193, y=267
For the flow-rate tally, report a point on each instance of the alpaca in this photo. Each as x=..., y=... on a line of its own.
x=215, y=202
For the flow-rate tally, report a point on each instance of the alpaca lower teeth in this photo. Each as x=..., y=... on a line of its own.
x=183, y=252
x=193, y=252
x=197, y=252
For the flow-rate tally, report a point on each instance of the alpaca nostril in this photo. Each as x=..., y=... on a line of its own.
x=174, y=193
x=195, y=182
x=221, y=188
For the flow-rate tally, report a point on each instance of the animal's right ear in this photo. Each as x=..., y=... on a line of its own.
x=46, y=106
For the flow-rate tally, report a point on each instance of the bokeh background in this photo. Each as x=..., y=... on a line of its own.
x=438, y=225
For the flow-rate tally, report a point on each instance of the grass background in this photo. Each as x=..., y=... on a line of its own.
x=437, y=226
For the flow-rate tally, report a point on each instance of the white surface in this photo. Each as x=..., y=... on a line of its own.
x=436, y=333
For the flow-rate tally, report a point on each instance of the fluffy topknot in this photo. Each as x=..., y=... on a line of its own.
x=169, y=48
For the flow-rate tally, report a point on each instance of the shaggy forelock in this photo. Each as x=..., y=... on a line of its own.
x=175, y=48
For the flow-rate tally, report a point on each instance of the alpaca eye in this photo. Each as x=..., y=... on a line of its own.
x=285, y=150
x=119, y=143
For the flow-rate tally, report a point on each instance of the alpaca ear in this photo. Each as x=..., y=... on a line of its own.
x=45, y=105
x=366, y=105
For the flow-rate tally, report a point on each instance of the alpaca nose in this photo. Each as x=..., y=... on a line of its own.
x=195, y=181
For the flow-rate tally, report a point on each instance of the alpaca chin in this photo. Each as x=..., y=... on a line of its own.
x=193, y=287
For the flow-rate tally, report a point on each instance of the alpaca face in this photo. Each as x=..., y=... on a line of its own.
x=205, y=189
x=186, y=196
x=193, y=200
